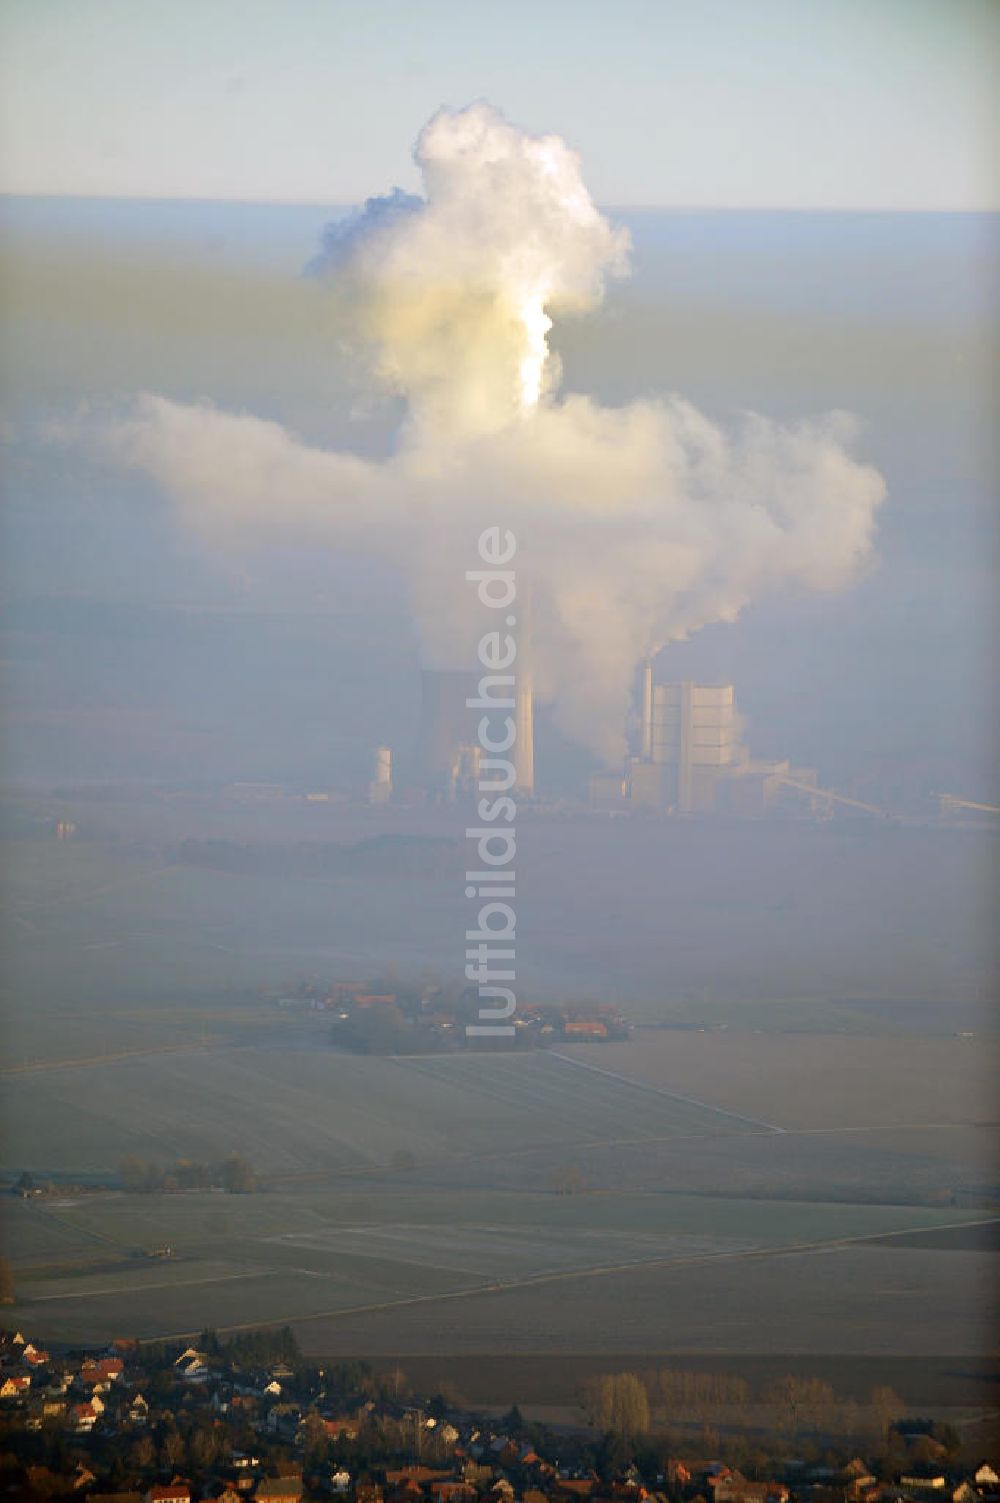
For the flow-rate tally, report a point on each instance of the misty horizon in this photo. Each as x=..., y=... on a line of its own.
x=738, y=261
x=499, y=804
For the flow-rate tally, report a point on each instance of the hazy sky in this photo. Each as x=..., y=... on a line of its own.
x=794, y=103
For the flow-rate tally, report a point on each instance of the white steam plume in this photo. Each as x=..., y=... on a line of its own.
x=637, y=525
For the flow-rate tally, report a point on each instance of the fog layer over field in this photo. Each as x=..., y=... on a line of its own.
x=798, y=1146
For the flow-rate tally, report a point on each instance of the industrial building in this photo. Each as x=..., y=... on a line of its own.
x=691, y=759
x=689, y=755
x=447, y=730
x=449, y=753
x=380, y=787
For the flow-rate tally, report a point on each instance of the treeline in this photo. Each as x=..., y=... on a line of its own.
x=383, y=1030
x=633, y=1404
x=351, y=1381
x=262, y=1348
x=144, y=1177
x=618, y=1403
x=27, y=1186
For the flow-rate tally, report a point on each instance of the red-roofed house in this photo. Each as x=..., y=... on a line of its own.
x=102, y=1373
x=279, y=1489
x=171, y=1492
x=733, y=1487
x=585, y=1028
x=341, y=1428
x=84, y=1417
x=453, y=1492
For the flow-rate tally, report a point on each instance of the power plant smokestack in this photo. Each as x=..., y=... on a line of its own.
x=524, y=746
x=646, y=743
x=524, y=704
x=454, y=294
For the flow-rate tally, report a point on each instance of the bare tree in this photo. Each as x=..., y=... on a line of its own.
x=143, y=1453
x=617, y=1402
x=237, y=1175
x=567, y=1180
x=172, y=1450
x=886, y=1407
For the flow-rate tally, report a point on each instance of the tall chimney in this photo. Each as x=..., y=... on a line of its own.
x=524, y=711
x=646, y=747
x=685, y=791
x=524, y=746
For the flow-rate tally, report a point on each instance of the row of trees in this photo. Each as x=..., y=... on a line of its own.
x=257, y=1348
x=144, y=1177
x=181, y=1443
x=380, y=1030
x=619, y=1403
x=632, y=1404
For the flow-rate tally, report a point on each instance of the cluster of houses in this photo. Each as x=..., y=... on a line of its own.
x=277, y=1436
x=853, y=1483
x=74, y=1394
x=437, y=1019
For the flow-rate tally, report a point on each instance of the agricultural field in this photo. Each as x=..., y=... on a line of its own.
x=857, y=1301
x=787, y=928
x=339, y=1239
x=810, y=1082
x=689, y=1229
x=386, y=1262
x=796, y=1167
x=111, y=949
x=297, y=1107
x=310, y=1109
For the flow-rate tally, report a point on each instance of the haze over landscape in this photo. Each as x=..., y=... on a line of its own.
x=746, y=1121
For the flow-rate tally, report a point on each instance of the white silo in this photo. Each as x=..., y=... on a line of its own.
x=380, y=787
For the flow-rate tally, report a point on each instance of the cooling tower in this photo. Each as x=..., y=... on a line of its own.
x=449, y=732
x=446, y=725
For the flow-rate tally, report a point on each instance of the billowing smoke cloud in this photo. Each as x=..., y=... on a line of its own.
x=637, y=525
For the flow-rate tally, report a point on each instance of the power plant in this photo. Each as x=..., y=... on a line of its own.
x=689, y=757
x=449, y=752
x=447, y=731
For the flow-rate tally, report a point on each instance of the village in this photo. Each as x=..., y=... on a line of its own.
x=389, y=1017
x=251, y=1420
